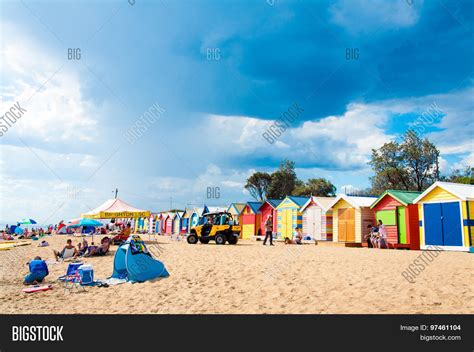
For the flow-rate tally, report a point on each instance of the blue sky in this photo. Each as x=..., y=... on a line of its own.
x=222, y=71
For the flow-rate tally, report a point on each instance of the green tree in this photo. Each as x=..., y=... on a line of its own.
x=409, y=165
x=465, y=176
x=258, y=184
x=319, y=187
x=284, y=180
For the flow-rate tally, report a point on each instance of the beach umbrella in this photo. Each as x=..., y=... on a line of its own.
x=86, y=222
x=26, y=222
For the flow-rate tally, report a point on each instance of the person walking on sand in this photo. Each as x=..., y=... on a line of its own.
x=268, y=230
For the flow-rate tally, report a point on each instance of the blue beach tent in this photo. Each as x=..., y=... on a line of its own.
x=133, y=262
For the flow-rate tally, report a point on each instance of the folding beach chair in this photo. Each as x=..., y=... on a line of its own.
x=68, y=254
x=78, y=279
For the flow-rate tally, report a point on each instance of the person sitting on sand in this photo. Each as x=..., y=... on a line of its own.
x=69, y=251
x=100, y=250
x=126, y=231
x=298, y=237
x=38, y=271
x=82, y=247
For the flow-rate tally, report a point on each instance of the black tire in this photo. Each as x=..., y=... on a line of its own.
x=192, y=238
x=204, y=241
x=233, y=239
x=220, y=239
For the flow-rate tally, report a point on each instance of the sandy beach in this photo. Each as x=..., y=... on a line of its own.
x=251, y=278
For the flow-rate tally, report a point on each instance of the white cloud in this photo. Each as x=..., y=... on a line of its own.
x=47, y=89
x=341, y=141
x=362, y=16
x=193, y=191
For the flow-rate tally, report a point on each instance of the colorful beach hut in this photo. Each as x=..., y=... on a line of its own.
x=351, y=216
x=289, y=215
x=195, y=216
x=168, y=223
x=159, y=223
x=317, y=218
x=400, y=218
x=177, y=218
x=446, y=212
x=269, y=207
x=250, y=219
x=236, y=210
x=185, y=220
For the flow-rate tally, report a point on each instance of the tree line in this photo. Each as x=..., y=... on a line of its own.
x=411, y=164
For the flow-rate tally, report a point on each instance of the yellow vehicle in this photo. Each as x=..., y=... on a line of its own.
x=216, y=226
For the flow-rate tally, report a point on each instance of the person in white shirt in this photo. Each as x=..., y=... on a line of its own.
x=382, y=242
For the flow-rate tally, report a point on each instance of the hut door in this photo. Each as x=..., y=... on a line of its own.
x=317, y=223
x=433, y=224
x=346, y=225
x=442, y=224
x=308, y=222
x=401, y=225
x=452, y=232
x=287, y=223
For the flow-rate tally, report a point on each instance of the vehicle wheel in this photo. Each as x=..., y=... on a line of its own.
x=220, y=239
x=204, y=241
x=233, y=240
x=192, y=238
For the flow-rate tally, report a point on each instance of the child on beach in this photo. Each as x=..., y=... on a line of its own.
x=82, y=247
x=38, y=271
x=382, y=236
x=368, y=236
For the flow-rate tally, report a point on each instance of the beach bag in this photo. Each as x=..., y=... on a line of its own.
x=86, y=273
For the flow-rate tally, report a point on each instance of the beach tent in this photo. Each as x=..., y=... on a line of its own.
x=236, y=210
x=351, y=217
x=134, y=263
x=446, y=212
x=269, y=207
x=290, y=216
x=251, y=218
x=317, y=218
x=16, y=229
x=115, y=208
x=400, y=218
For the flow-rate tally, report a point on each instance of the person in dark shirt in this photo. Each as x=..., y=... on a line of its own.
x=268, y=230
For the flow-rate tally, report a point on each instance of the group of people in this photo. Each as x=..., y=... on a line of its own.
x=83, y=249
x=11, y=233
x=376, y=236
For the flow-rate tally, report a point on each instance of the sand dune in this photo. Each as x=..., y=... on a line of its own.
x=251, y=278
